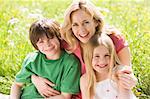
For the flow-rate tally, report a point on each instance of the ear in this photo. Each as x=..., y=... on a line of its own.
x=96, y=22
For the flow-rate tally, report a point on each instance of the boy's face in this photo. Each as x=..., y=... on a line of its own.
x=49, y=46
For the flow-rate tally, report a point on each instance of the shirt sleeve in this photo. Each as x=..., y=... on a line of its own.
x=71, y=79
x=24, y=75
x=119, y=41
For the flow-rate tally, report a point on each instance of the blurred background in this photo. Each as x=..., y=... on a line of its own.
x=131, y=17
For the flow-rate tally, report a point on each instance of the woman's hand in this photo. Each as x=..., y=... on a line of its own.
x=44, y=86
x=126, y=78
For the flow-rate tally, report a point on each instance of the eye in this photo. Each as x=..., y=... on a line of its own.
x=96, y=56
x=86, y=22
x=74, y=24
x=107, y=55
x=40, y=41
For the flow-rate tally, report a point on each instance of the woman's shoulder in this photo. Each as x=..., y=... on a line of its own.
x=68, y=48
x=117, y=37
x=113, y=32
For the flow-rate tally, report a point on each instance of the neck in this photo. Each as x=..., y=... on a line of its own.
x=55, y=56
x=101, y=76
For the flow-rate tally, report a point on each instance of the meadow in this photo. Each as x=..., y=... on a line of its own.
x=131, y=17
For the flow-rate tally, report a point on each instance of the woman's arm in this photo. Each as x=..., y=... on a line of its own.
x=125, y=56
x=43, y=86
x=128, y=80
x=15, y=90
x=123, y=92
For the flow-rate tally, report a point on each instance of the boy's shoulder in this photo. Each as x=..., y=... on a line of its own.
x=32, y=56
x=70, y=57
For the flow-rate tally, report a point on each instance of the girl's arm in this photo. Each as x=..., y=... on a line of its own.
x=16, y=90
x=43, y=86
x=83, y=86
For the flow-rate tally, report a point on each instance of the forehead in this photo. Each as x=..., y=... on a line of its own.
x=43, y=37
x=80, y=15
x=101, y=49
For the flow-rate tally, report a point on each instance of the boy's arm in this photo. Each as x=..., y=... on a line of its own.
x=61, y=96
x=16, y=90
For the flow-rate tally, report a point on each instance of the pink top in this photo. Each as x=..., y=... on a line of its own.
x=117, y=39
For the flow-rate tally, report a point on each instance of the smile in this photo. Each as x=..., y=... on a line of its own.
x=84, y=35
x=50, y=48
x=102, y=66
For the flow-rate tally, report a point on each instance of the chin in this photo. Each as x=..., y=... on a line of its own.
x=84, y=41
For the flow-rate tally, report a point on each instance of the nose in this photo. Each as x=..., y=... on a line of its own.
x=82, y=30
x=48, y=43
x=102, y=61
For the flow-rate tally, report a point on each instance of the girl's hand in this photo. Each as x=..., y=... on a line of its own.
x=126, y=78
x=44, y=86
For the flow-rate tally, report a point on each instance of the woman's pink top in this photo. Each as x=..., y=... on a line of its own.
x=117, y=39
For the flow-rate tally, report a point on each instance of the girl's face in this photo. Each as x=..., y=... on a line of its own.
x=83, y=25
x=101, y=59
x=49, y=46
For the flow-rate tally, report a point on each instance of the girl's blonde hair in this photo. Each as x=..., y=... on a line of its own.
x=97, y=40
x=88, y=7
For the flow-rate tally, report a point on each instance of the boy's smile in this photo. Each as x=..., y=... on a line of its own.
x=49, y=46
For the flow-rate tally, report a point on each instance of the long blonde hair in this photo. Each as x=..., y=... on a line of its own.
x=97, y=40
x=87, y=6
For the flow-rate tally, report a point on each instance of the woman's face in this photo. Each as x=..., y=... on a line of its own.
x=83, y=25
x=101, y=59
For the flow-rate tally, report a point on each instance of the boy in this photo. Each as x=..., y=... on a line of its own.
x=49, y=61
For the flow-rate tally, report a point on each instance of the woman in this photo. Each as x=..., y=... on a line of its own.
x=82, y=20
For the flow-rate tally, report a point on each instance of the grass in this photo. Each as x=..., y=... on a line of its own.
x=130, y=16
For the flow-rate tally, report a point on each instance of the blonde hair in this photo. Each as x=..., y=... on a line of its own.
x=87, y=6
x=97, y=40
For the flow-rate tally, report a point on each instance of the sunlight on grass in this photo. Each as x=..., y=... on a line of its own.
x=132, y=17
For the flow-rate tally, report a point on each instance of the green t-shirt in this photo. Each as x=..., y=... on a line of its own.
x=64, y=73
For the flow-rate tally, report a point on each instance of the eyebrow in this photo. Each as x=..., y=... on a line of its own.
x=85, y=20
x=82, y=21
x=104, y=54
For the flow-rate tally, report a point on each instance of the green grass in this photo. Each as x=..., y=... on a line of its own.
x=132, y=17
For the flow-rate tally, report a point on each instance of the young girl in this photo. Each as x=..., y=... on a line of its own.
x=100, y=80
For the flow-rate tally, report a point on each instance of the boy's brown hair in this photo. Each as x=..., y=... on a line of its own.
x=44, y=27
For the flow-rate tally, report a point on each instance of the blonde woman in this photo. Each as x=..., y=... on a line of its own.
x=82, y=20
x=100, y=81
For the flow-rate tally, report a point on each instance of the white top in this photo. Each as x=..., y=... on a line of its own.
x=107, y=89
